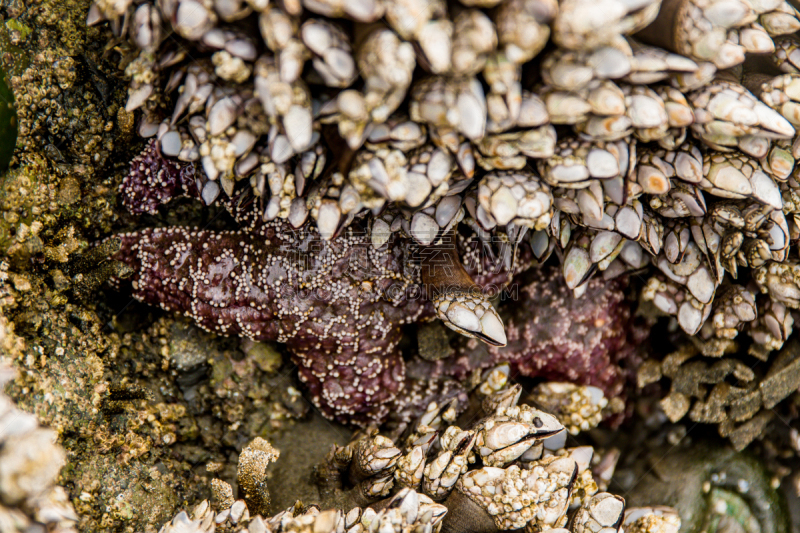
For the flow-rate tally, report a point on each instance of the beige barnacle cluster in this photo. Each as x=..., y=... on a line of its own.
x=411, y=512
x=748, y=228
x=513, y=431
x=437, y=455
x=414, y=115
x=721, y=32
x=440, y=477
x=545, y=488
x=657, y=519
x=577, y=407
x=406, y=512
x=507, y=471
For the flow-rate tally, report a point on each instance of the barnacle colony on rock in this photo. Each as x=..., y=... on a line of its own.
x=30, y=461
x=509, y=470
x=656, y=137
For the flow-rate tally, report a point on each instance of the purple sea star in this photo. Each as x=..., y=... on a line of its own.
x=154, y=180
x=338, y=304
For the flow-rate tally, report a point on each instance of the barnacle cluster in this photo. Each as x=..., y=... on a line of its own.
x=509, y=470
x=30, y=459
x=51, y=115
x=62, y=100
x=30, y=462
x=639, y=134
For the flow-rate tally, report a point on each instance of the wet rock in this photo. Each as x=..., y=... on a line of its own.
x=713, y=487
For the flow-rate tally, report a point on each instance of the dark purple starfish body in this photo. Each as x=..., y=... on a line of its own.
x=339, y=304
x=154, y=180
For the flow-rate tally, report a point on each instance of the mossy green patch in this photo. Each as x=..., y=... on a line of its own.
x=15, y=25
